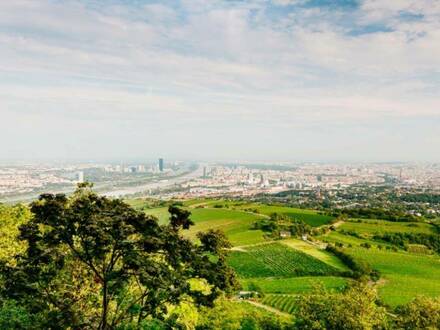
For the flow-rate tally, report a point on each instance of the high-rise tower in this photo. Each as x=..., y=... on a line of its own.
x=161, y=164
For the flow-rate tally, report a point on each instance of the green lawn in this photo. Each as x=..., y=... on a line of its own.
x=277, y=260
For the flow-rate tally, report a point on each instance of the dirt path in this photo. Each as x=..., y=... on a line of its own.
x=268, y=308
x=337, y=223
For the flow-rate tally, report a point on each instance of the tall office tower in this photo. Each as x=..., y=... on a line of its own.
x=161, y=164
x=80, y=177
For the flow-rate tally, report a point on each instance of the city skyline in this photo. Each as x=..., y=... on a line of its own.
x=282, y=80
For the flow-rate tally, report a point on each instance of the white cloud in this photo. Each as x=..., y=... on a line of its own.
x=216, y=60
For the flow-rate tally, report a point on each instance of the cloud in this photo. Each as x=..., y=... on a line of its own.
x=271, y=64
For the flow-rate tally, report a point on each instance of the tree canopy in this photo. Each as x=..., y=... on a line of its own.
x=94, y=262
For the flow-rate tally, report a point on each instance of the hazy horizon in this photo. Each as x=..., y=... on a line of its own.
x=280, y=80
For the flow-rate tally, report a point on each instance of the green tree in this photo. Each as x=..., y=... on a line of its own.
x=14, y=317
x=11, y=218
x=421, y=313
x=354, y=309
x=95, y=262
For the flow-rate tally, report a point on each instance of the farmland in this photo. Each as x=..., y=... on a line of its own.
x=277, y=260
x=315, y=252
x=371, y=227
x=311, y=217
x=292, y=266
x=282, y=302
x=404, y=274
x=295, y=285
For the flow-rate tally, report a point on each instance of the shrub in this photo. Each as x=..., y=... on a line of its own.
x=421, y=313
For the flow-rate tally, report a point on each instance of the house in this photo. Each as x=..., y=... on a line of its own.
x=285, y=234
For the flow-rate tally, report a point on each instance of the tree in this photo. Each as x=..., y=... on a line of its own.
x=354, y=309
x=94, y=262
x=11, y=217
x=421, y=313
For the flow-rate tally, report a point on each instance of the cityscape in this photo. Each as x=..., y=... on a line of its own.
x=186, y=180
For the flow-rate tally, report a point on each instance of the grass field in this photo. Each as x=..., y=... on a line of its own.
x=334, y=237
x=293, y=266
x=277, y=260
x=404, y=275
x=371, y=227
x=295, y=285
x=160, y=213
x=316, y=252
x=235, y=224
x=310, y=217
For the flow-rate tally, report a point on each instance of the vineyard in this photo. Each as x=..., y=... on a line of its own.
x=294, y=267
x=277, y=260
x=295, y=285
x=282, y=302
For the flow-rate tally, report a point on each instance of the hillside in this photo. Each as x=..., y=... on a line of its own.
x=294, y=266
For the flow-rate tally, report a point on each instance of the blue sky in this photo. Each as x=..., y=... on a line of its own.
x=220, y=79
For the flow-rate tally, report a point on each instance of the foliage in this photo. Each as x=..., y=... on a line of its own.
x=235, y=224
x=376, y=213
x=421, y=313
x=310, y=217
x=278, y=223
x=95, y=262
x=228, y=315
x=402, y=240
x=13, y=316
x=354, y=309
x=11, y=218
x=359, y=267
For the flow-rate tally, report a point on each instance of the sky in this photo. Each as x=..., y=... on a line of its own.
x=281, y=80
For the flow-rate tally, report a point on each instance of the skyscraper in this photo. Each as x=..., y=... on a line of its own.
x=80, y=177
x=161, y=164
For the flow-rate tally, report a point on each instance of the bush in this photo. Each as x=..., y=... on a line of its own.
x=354, y=309
x=421, y=313
x=359, y=267
x=366, y=245
x=13, y=316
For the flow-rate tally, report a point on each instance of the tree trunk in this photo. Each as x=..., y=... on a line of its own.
x=103, y=322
